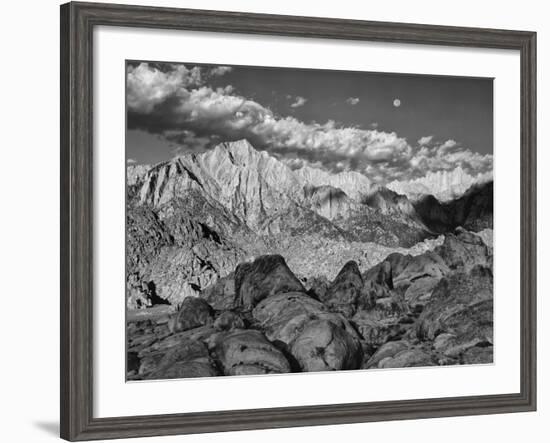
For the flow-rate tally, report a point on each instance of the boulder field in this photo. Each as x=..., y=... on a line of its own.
x=434, y=308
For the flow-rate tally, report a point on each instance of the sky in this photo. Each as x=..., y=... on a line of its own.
x=385, y=126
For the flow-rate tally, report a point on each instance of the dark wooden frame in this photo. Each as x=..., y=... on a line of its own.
x=77, y=24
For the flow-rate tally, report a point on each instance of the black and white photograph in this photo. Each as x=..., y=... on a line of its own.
x=285, y=220
x=244, y=222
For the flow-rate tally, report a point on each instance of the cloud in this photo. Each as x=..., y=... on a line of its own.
x=352, y=101
x=178, y=105
x=423, y=141
x=447, y=156
x=220, y=70
x=299, y=101
x=188, y=141
x=297, y=162
x=447, y=146
x=148, y=87
x=131, y=161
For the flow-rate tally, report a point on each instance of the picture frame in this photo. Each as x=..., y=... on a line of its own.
x=78, y=21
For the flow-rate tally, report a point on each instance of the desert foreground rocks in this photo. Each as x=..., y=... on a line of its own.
x=435, y=308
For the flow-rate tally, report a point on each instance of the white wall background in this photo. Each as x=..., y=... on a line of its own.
x=29, y=108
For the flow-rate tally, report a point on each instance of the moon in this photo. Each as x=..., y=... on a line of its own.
x=397, y=103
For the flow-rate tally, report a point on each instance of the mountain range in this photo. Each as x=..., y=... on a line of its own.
x=192, y=219
x=443, y=185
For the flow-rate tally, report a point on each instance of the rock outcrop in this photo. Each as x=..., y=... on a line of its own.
x=172, y=255
x=406, y=311
x=428, y=264
x=265, y=276
x=228, y=320
x=473, y=210
x=325, y=346
x=247, y=352
x=221, y=295
x=315, y=338
x=407, y=359
x=194, y=312
x=190, y=359
x=346, y=292
x=461, y=304
x=464, y=250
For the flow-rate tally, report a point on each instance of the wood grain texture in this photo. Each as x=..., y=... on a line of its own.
x=77, y=23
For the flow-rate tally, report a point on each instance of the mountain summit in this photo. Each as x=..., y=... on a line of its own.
x=251, y=184
x=248, y=183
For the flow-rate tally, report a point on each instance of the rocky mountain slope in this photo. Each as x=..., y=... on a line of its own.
x=263, y=192
x=443, y=185
x=353, y=184
x=191, y=220
x=473, y=210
